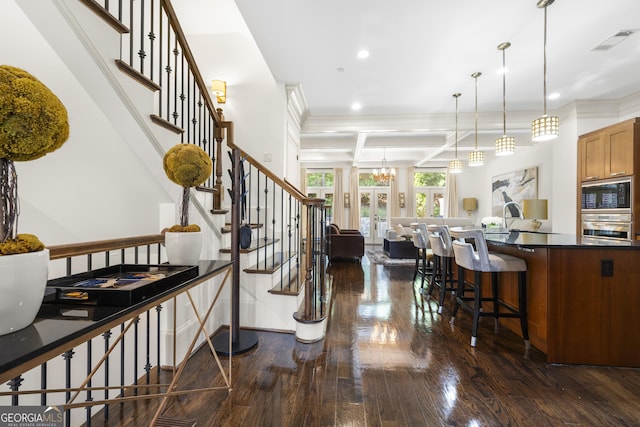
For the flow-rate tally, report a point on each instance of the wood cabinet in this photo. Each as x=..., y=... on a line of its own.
x=609, y=152
x=593, y=318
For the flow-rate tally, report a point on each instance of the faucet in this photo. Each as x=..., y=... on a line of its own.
x=504, y=212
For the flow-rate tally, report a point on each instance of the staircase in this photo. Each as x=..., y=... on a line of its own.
x=135, y=64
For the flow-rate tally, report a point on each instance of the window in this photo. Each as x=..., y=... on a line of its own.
x=429, y=190
x=320, y=185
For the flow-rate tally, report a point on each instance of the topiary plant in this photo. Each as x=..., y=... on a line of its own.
x=33, y=122
x=188, y=166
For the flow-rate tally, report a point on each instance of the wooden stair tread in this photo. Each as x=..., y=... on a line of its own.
x=255, y=245
x=271, y=264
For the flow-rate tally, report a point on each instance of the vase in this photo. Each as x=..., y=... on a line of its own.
x=23, y=279
x=183, y=248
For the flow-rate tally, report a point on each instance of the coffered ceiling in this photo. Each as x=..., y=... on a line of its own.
x=420, y=53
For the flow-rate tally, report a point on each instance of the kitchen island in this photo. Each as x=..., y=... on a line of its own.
x=582, y=296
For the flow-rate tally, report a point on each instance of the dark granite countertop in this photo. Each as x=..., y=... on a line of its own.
x=527, y=239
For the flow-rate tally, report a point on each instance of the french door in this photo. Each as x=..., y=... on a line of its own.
x=374, y=214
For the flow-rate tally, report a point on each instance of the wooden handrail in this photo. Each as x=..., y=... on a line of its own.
x=286, y=185
x=85, y=248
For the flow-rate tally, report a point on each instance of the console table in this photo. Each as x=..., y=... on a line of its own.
x=51, y=334
x=399, y=248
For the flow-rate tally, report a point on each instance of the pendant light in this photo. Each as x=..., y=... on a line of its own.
x=505, y=145
x=546, y=127
x=476, y=158
x=455, y=166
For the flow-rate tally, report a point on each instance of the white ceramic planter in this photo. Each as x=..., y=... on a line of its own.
x=23, y=278
x=183, y=248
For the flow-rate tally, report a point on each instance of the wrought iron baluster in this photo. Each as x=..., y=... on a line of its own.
x=43, y=384
x=141, y=53
x=131, y=32
x=135, y=354
x=122, y=363
x=106, y=337
x=158, y=310
x=89, y=397
x=14, y=385
x=67, y=356
x=147, y=366
x=176, y=53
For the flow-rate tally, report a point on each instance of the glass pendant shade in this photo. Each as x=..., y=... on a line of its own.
x=505, y=145
x=545, y=128
x=476, y=158
x=455, y=166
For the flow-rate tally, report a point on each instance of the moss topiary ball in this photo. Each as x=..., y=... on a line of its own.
x=33, y=121
x=22, y=244
x=187, y=165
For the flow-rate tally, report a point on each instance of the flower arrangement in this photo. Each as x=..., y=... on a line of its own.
x=492, y=221
x=187, y=165
x=33, y=122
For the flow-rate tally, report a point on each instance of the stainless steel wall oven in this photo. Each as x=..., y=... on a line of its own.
x=607, y=211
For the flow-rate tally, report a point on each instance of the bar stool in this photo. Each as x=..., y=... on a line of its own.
x=480, y=260
x=423, y=256
x=442, y=271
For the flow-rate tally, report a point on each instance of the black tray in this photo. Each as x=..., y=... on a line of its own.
x=119, y=285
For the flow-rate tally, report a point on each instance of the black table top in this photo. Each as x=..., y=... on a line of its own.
x=57, y=325
x=556, y=240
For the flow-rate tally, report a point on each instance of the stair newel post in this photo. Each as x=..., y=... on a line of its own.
x=241, y=340
x=235, y=247
x=219, y=137
x=308, y=260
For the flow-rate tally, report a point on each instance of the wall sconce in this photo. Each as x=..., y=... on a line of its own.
x=469, y=204
x=401, y=200
x=219, y=89
x=535, y=209
x=347, y=200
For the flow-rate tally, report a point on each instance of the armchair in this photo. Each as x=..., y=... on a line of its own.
x=344, y=243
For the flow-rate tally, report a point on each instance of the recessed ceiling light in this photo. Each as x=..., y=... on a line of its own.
x=554, y=95
x=363, y=54
x=502, y=71
x=356, y=106
x=340, y=69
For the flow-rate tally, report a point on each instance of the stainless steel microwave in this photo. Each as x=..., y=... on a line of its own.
x=612, y=195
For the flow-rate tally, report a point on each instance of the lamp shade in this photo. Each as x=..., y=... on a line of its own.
x=469, y=203
x=219, y=89
x=535, y=208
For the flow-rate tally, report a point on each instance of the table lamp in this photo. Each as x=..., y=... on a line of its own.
x=534, y=209
x=469, y=204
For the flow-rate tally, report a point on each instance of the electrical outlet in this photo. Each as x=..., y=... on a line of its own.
x=606, y=268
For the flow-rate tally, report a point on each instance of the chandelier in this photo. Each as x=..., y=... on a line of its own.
x=383, y=175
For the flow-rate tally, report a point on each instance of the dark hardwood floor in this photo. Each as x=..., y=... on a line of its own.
x=388, y=359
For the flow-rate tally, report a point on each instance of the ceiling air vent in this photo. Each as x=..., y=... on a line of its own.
x=614, y=40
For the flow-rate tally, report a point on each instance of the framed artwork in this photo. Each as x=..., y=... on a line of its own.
x=347, y=200
x=513, y=186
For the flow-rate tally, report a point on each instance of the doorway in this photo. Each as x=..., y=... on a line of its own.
x=374, y=214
